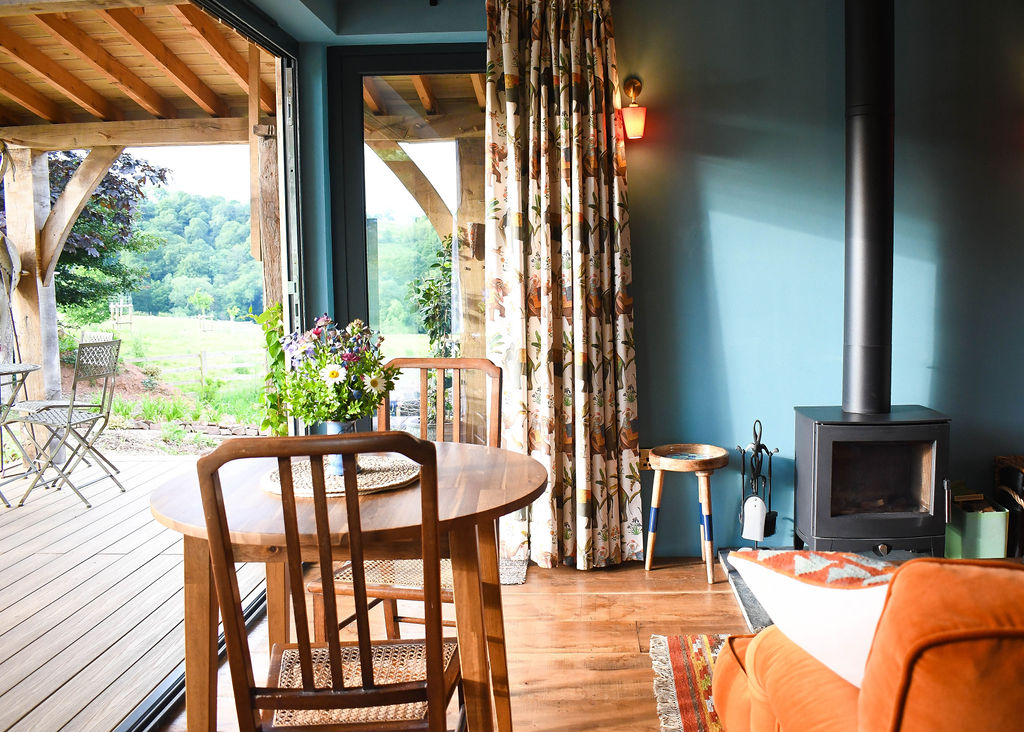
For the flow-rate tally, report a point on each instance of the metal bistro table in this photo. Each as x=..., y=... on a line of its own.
x=476, y=485
x=12, y=380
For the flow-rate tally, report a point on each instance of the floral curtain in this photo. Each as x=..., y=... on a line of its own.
x=559, y=312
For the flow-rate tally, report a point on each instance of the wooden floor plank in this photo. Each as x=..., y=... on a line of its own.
x=578, y=642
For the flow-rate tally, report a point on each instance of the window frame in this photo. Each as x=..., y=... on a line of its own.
x=346, y=67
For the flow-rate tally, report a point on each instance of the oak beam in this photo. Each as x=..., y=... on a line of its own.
x=426, y=94
x=145, y=41
x=479, y=89
x=269, y=215
x=255, y=248
x=10, y=8
x=371, y=96
x=27, y=204
x=32, y=59
x=418, y=185
x=206, y=31
x=22, y=94
x=69, y=205
x=82, y=45
x=133, y=133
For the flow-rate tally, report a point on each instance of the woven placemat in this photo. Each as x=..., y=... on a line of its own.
x=377, y=473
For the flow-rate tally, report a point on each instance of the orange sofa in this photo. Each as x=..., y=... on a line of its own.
x=947, y=655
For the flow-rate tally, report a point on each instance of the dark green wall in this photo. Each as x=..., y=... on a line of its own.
x=736, y=200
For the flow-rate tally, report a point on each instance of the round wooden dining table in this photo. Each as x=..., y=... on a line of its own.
x=476, y=485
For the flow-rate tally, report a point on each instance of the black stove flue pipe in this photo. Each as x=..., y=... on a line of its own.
x=867, y=341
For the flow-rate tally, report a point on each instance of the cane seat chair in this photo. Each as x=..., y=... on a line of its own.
x=75, y=423
x=333, y=685
x=392, y=580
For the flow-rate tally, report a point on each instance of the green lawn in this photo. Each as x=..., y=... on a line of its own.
x=231, y=357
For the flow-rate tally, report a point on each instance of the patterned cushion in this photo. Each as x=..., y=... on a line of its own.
x=828, y=603
x=838, y=570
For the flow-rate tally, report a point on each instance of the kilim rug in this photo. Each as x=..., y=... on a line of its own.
x=682, y=681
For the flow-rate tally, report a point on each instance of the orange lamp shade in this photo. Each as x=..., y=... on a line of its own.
x=633, y=119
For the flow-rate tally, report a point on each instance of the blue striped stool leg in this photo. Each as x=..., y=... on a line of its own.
x=652, y=524
x=706, y=527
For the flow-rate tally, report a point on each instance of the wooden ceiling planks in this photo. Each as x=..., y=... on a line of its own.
x=73, y=65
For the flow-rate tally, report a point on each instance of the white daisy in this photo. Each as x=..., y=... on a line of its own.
x=373, y=382
x=332, y=373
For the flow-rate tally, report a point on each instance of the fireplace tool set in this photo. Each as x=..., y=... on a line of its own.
x=756, y=515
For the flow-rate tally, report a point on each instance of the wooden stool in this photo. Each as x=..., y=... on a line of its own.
x=687, y=458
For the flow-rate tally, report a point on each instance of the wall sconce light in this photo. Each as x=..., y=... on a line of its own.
x=633, y=116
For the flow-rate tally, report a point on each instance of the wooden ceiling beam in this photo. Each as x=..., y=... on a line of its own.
x=82, y=45
x=146, y=42
x=479, y=89
x=31, y=58
x=22, y=94
x=414, y=127
x=10, y=8
x=426, y=94
x=371, y=96
x=207, y=32
x=133, y=133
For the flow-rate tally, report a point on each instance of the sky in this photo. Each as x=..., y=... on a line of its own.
x=223, y=170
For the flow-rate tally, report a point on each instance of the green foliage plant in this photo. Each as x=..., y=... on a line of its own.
x=432, y=296
x=271, y=398
x=335, y=375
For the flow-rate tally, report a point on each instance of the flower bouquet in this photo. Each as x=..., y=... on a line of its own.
x=335, y=376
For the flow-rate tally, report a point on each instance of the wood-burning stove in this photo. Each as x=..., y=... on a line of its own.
x=868, y=475
x=871, y=481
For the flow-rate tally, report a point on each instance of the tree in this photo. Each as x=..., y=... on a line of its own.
x=91, y=268
x=200, y=301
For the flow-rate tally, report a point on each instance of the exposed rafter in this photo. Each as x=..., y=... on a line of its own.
x=371, y=96
x=21, y=93
x=31, y=58
x=17, y=7
x=423, y=90
x=134, y=133
x=479, y=89
x=145, y=41
x=208, y=33
x=82, y=45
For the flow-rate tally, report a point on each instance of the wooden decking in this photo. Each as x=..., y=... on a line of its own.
x=90, y=600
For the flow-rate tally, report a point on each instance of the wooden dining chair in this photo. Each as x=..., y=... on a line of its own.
x=392, y=580
x=334, y=685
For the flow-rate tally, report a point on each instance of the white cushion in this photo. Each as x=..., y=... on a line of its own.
x=828, y=603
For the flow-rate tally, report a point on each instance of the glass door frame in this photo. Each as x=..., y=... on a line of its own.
x=346, y=67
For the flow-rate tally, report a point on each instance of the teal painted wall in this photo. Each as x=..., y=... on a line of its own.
x=736, y=201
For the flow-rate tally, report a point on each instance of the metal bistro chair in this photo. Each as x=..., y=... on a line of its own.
x=74, y=423
x=391, y=580
x=336, y=685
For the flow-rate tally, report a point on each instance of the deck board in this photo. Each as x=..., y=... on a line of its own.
x=91, y=601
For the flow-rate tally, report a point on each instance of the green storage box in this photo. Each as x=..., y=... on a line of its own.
x=977, y=530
